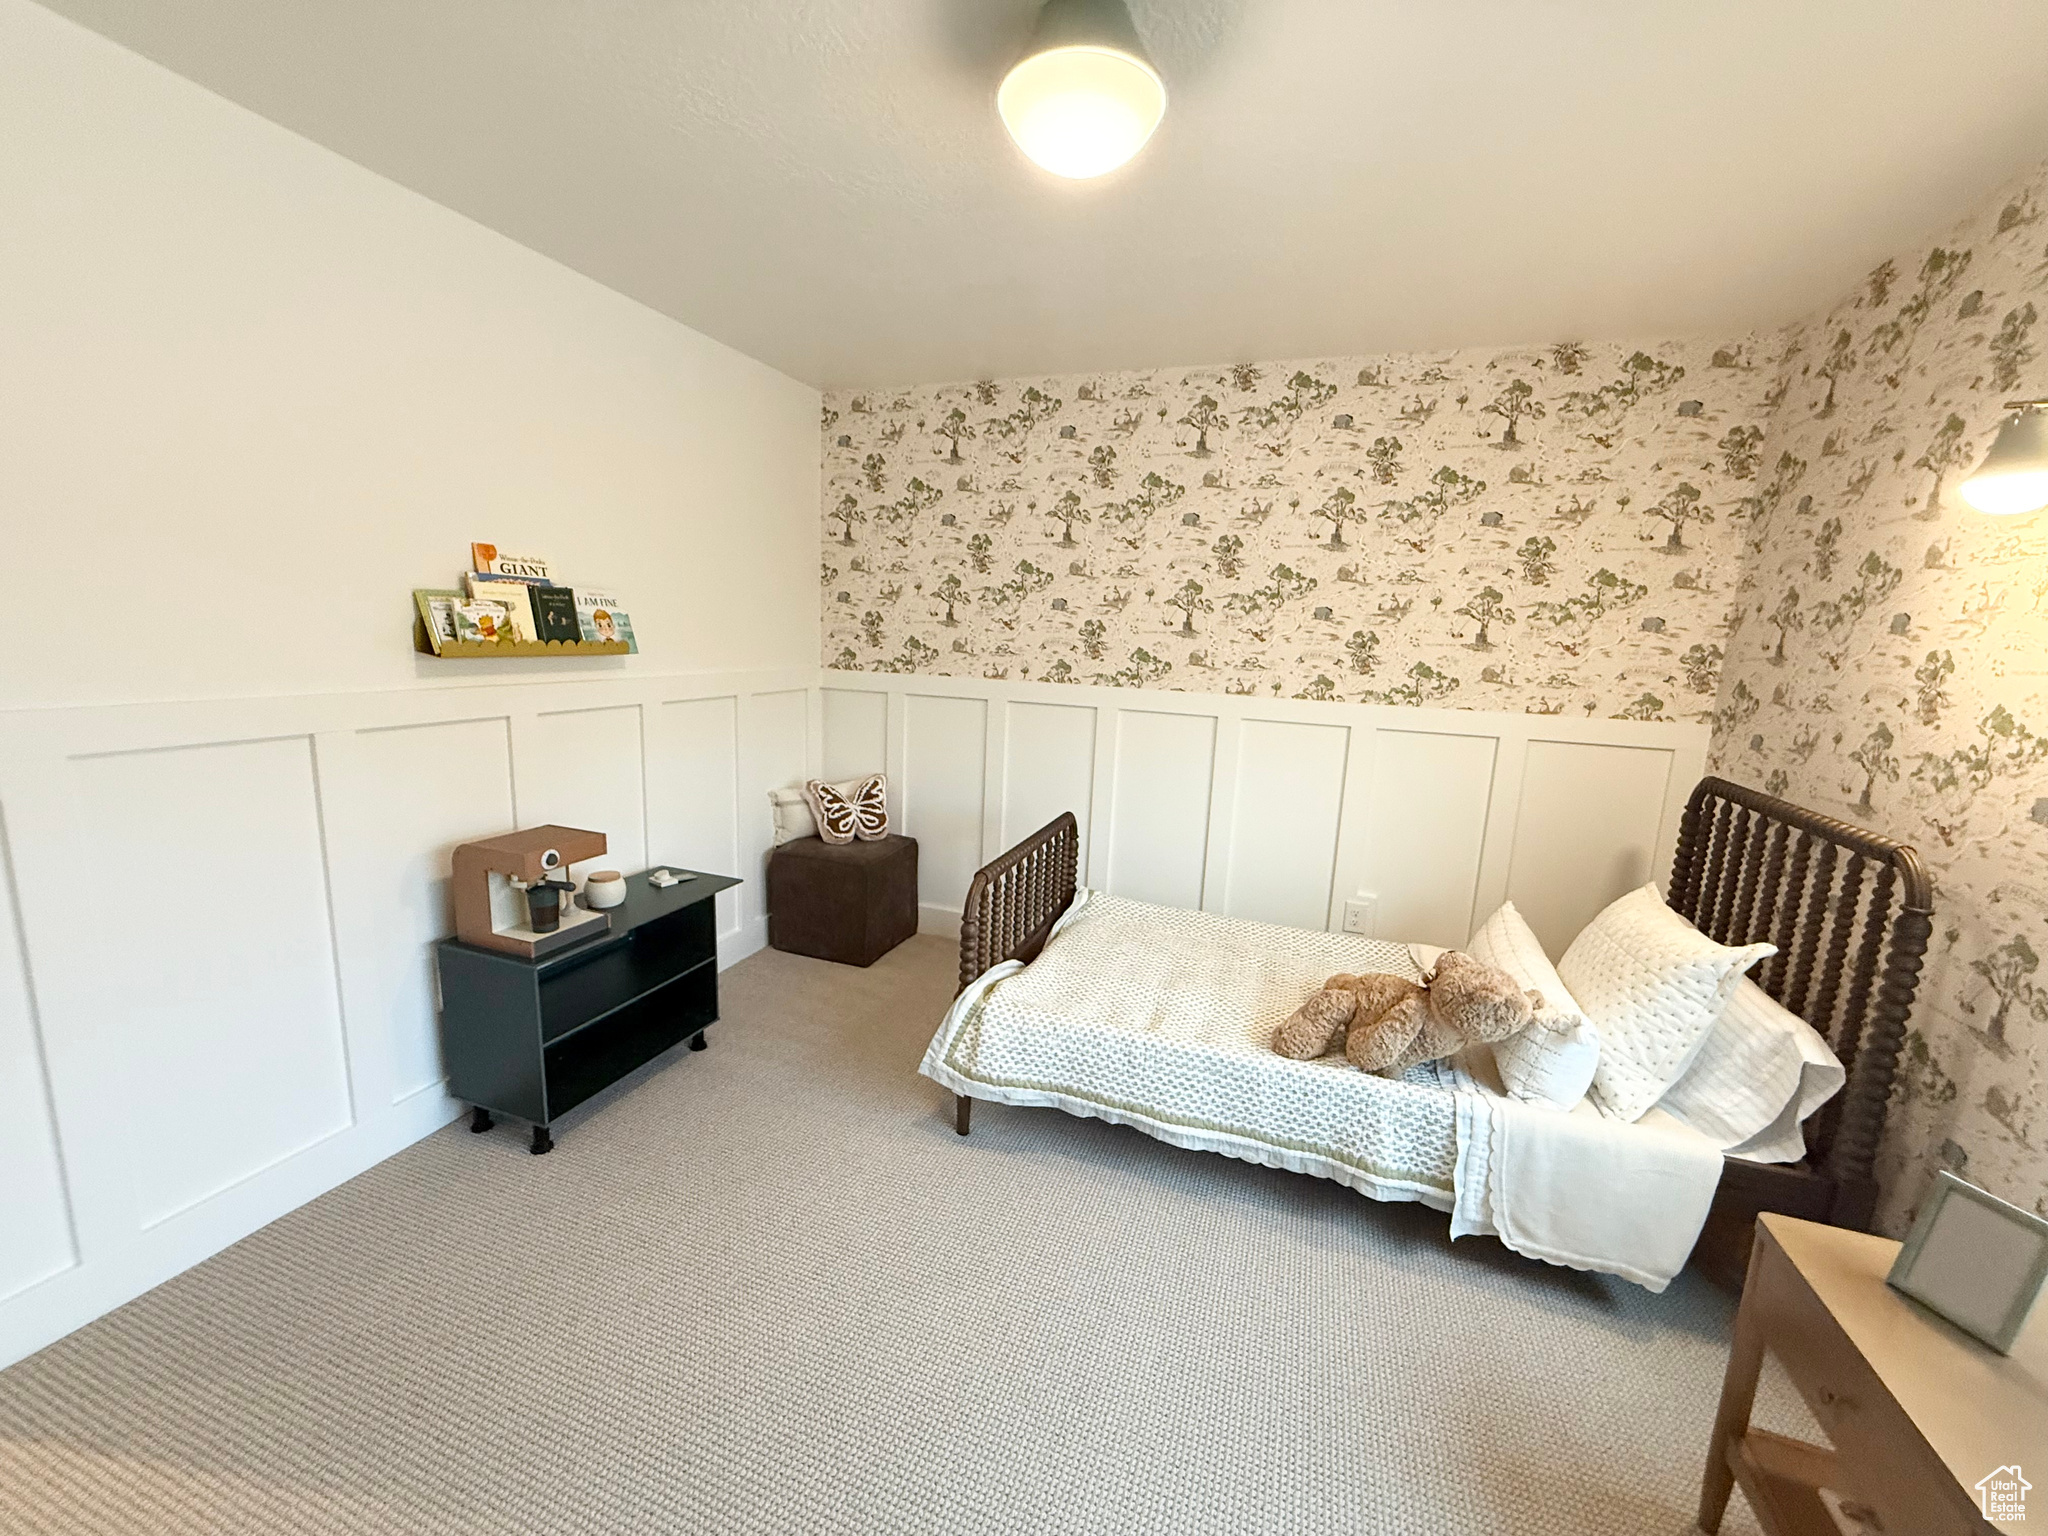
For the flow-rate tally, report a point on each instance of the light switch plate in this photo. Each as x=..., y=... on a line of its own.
x=1360, y=915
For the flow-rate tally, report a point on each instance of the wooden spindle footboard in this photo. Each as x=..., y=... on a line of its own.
x=1013, y=902
x=1012, y=905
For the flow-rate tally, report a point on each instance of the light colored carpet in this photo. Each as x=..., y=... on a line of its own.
x=766, y=1289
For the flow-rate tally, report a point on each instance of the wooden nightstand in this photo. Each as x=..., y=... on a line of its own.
x=1918, y=1411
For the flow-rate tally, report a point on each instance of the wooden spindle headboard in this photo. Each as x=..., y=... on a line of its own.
x=1850, y=912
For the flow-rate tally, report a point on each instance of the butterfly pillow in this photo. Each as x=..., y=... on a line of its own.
x=857, y=808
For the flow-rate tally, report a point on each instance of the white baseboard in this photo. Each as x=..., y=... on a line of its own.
x=943, y=921
x=751, y=937
x=76, y=1295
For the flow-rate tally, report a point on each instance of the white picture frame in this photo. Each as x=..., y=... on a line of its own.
x=1974, y=1259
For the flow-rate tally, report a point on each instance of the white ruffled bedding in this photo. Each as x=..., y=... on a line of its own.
x=1162, y=1019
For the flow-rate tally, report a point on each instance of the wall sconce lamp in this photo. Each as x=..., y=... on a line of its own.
x=1085, y=98
x=2014, y=475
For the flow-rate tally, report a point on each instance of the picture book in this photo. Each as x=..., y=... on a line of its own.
x=485, y=621
x=515, y=595
x=554, y=613
x=437, y=614
x=486, y=561
x=601, y=618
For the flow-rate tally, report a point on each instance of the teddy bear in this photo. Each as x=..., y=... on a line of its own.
x=1390, y=1024
x=1322, y=1024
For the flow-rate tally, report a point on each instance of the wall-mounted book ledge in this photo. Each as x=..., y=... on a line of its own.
x=467, y=648
x=511, y=605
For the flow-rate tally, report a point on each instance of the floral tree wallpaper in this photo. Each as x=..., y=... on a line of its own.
x=1553, y=529
x=1891, y=663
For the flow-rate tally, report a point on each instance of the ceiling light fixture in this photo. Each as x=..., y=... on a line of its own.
x=1084, y=98
x=2014, y=475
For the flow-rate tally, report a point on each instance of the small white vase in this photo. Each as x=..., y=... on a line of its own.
x=604, y=889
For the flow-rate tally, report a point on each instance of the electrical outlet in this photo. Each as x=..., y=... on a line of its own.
x=1361, y=914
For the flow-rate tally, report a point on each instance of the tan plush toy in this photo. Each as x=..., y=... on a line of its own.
x=1391, y=1024
x=1346, y=1003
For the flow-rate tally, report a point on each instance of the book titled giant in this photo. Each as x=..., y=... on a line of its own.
x=485, y=560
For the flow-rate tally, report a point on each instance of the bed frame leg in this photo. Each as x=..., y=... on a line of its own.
x=963, y=1112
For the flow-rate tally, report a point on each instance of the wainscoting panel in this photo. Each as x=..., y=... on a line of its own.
x=220, y=1017
x=389, y=859
x=1281, y=809
x=777, y=749
x=693, y=791
x=856, y=733
x=1426, y=815
x=245, y=1014
x=1159, y=806
x=34, y=1213
x=1048, y=767
x=586, y=768
x=1287, y=803
x=945, y=769
x=1583, y=835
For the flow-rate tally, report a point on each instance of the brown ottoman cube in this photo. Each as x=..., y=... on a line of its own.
x=850, y=902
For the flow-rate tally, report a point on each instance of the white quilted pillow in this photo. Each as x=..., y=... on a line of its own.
x=1761, y=1072
x=1653, y=985
x=792, y=813
x=1553, y=1059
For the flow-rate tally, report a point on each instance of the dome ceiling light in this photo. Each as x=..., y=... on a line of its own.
x=1084, y=98
x=2014, y=475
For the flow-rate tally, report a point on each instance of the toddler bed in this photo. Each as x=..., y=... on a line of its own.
x=1161, y=1019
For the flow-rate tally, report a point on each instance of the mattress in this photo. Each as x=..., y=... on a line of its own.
x=1163, y=1019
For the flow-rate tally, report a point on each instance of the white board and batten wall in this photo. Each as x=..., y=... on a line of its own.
x=1275, y=810
x=217, y=992
x=217, y=918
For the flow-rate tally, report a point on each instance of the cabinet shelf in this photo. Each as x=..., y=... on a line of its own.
x=552, y=1038
x=592, y=1057
x=532, y=1039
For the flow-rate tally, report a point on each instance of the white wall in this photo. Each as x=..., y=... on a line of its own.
x=251, y=395
x=1275, y=809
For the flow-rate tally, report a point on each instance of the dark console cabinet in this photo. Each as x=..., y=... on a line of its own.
x=532, y=1039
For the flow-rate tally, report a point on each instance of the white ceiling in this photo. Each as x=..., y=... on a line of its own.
x=824, y=183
